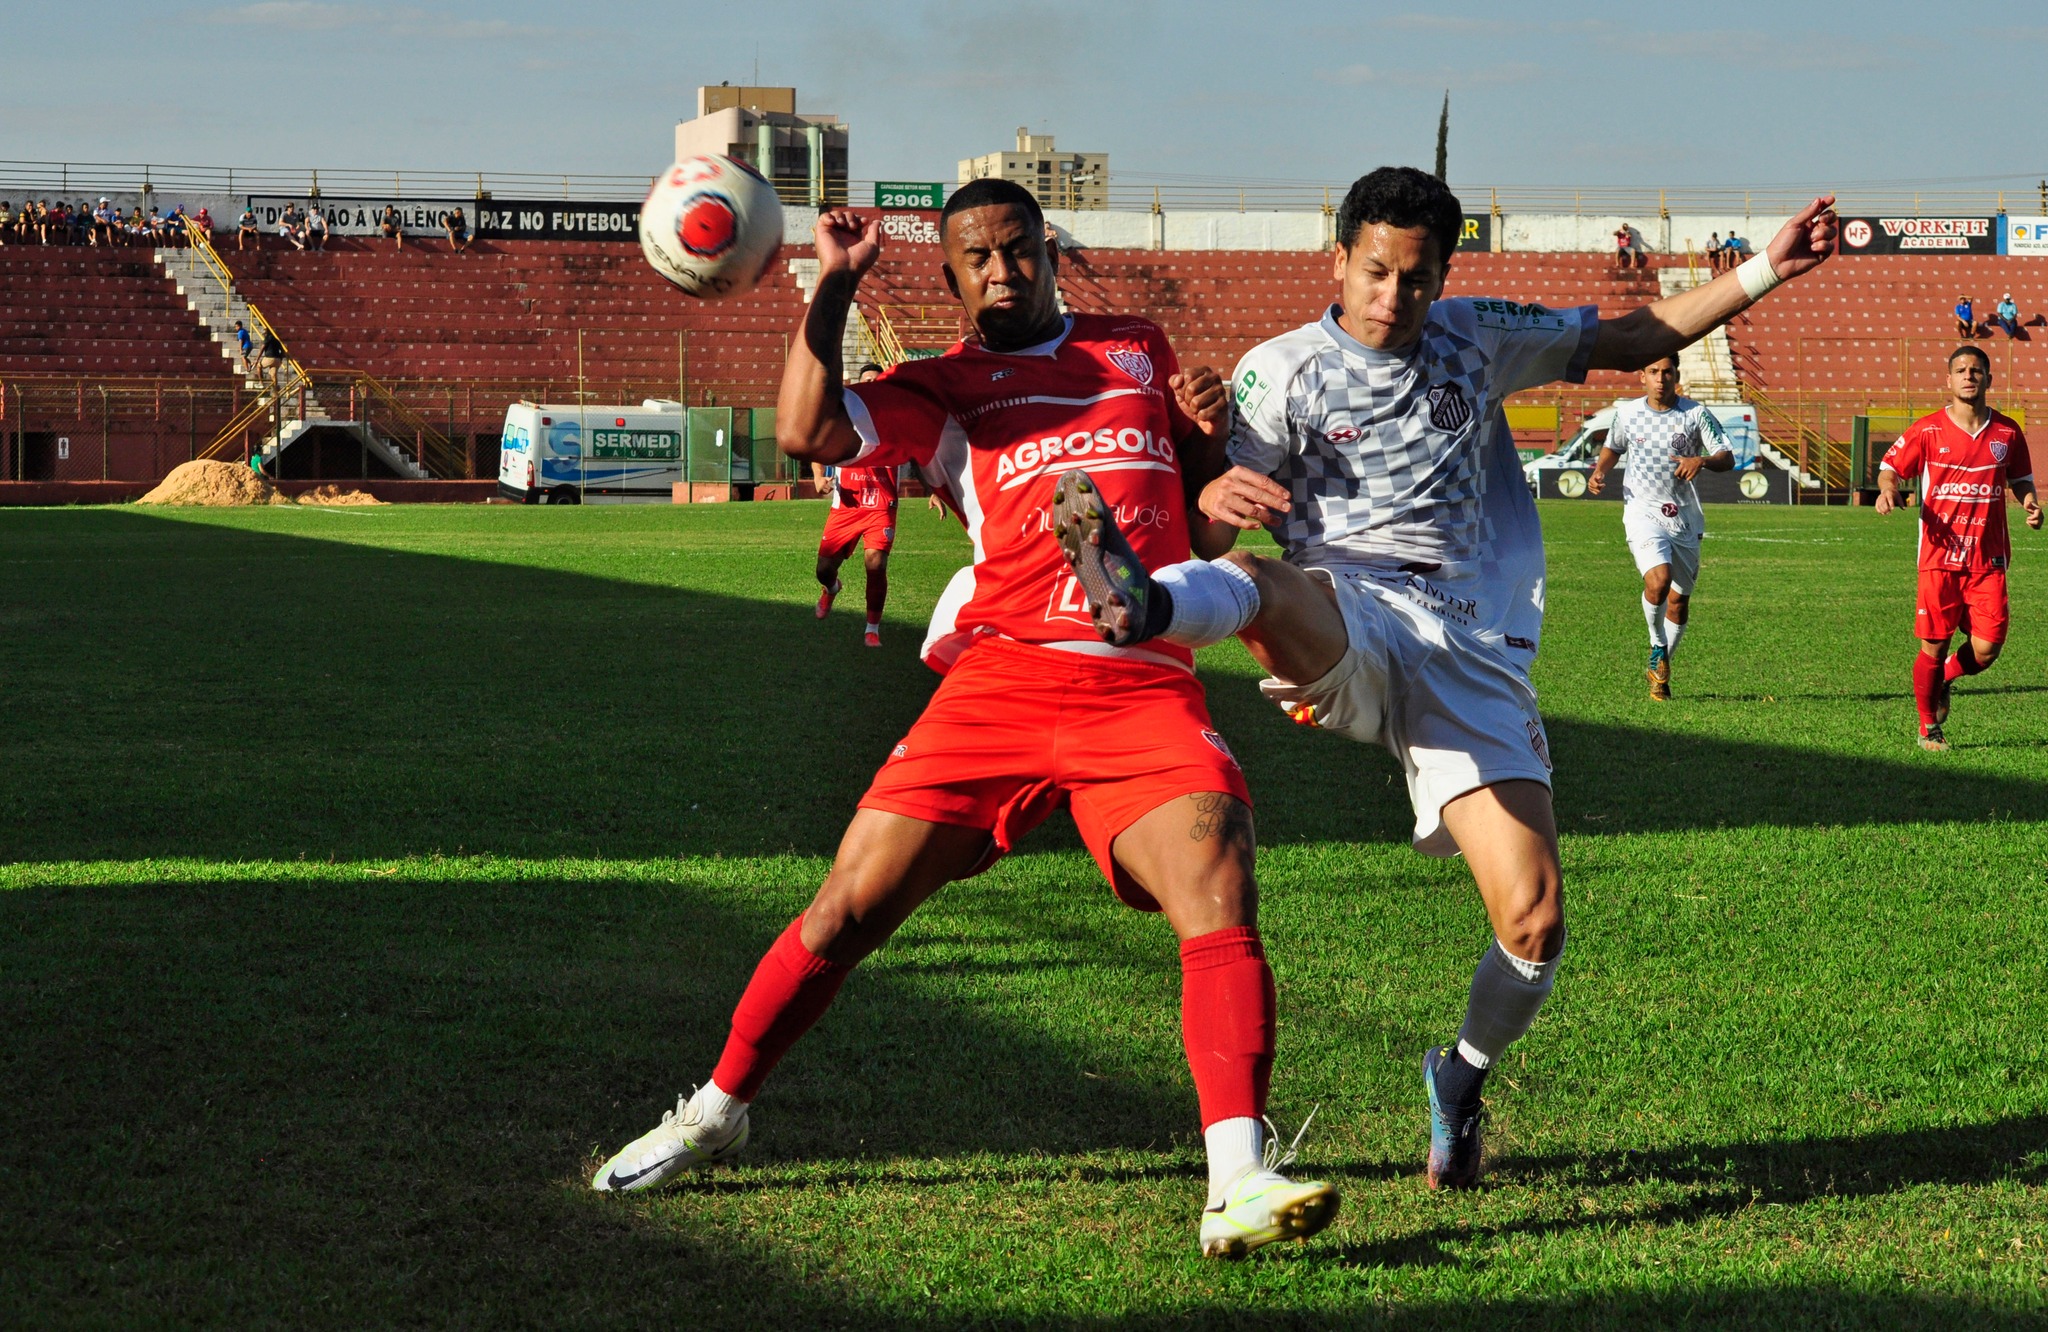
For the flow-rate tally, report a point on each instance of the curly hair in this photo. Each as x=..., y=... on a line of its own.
x=1402, y=197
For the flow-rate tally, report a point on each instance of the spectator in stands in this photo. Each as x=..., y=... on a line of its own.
x=458, y=230
x=2009, y=315
x=388, y=224
x=6, y=221
x=204, y=221
x=1966, y=317
x=316, y=228
x=103, y=222
x=81, y=224
x=291, y=228
x=270, y=357
x=246, y=229
x=1714, y=253
x=137, y=232
x=59, y=224
x=248, y=346
x=42, y=222
x=175, y=227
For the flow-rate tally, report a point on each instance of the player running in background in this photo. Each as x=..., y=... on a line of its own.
x=1966, y=457
x=1669, y=439
x=863, y=513
x=1035, y=712
x=1408, y=608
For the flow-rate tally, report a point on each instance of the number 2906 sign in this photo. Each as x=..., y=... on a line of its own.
x=909, y=194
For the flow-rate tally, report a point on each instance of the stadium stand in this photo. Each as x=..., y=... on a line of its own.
x=112, y=313
x=510, y=312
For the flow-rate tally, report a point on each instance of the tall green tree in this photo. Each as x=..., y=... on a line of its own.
x=1443, y=139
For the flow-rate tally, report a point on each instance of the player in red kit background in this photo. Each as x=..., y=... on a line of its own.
x=1966, y=457
x=863, y=513
x=1035, y=712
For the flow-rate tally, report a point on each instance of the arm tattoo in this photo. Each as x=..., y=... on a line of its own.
x=1224, y=816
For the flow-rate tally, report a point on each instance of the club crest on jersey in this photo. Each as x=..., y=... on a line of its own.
x=1132, y=362
x=1998, y=450
x=1221, y=747
x=1448, y=410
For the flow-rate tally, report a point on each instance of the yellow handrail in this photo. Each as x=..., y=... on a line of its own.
x=201, y=242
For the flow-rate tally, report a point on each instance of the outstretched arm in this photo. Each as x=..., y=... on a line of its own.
x=811, y=424
x=1200, y=393
x=1634, y=340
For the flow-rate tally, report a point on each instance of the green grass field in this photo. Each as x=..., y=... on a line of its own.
x=370, y=875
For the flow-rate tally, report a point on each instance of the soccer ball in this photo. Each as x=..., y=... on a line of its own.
x=711, y=226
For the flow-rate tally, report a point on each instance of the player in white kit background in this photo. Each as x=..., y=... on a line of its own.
x=1408, y=608
x=1667, y=439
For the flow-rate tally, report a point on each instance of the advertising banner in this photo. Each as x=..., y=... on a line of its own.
x=356, y=217
x=556, y=219
x=911, y=228
x=1478, y=233
x=909, y=194
x=2026, y=235
x=1919, y=235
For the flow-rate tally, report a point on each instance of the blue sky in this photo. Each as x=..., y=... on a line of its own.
x=1565, y=94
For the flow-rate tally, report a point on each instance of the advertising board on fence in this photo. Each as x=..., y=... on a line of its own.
x=2026, y=235
x=909, y=194
x=557, y=219
x=1919, y=235
x=356, y=217
x=1477, y=233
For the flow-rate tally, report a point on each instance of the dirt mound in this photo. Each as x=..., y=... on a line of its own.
x=214, y=485
x=332, y=494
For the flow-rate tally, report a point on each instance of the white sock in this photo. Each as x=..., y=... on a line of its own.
x=1235, y=1146
x=1212, y=599
x=874, y=626
x=1653, y=615
x=1673, y=631
x=1507, y=993
x=720, y=1107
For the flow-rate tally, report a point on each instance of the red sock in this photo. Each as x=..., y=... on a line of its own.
x=1964, y=662
x=1926, y=682
x=1227, y=1018
x=791, y=989
x=878, y=596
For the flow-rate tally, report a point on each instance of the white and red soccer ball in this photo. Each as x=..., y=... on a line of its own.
x=712, y=226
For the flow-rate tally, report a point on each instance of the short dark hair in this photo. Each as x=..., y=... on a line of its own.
x=866, y=366
x=1983, y=357
x=1402, y=197
x=988, y=191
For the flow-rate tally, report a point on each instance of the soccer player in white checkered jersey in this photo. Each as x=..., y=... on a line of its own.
x=1667, y=439
x=1407, y=609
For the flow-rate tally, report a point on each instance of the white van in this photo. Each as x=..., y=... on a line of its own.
x=1562, y=474
x=570, y=454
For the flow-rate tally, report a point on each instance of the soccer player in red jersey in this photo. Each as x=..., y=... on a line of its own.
x=863, y=514
x=1035, y=711
x=1966, y=457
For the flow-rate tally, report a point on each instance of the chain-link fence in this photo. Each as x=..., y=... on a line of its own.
x=94, y=430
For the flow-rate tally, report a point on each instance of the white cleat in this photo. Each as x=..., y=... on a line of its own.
x=681, y=1141
x=1263, y=1206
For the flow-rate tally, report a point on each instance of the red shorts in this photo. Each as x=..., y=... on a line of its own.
x=1967, y=600
x=1017, y=731
x=847, y=528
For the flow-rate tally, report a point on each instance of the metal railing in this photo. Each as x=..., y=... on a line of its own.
x=1129, y=189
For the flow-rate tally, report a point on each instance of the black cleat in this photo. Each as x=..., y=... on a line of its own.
x=1120, y=593
x=1933, y=739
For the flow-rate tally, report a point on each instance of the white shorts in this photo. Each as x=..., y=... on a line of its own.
x=1652, y=543
x=1455, y=713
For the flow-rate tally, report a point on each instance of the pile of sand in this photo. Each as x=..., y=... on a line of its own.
x=333, y=494
x=215, y=485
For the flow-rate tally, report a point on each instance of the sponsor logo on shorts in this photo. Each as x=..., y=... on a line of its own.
x=899, y=752
x=1448, y=409
x=1304, y=714
x=1525, y=644
x=1668, y=508
x=1342, y=434
x=1221, y=747
x=1132, y=362
x=1540, y=744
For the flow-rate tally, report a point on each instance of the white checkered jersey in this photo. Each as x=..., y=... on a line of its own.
x=1652, y=442
x=1404, y=458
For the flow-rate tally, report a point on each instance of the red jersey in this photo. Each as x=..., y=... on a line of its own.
x=996, y=429
x=1963, y=478
x=864, y=487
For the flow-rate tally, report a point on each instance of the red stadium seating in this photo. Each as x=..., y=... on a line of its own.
x=110, y=313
